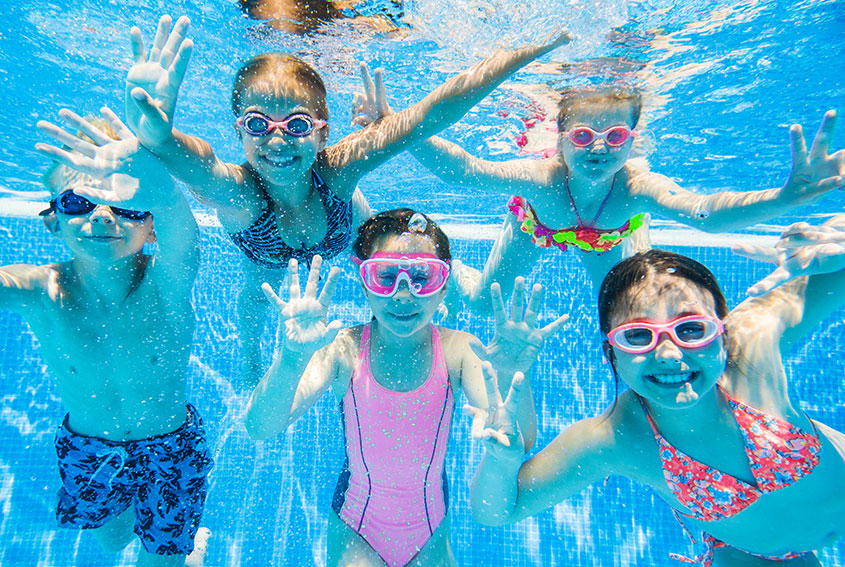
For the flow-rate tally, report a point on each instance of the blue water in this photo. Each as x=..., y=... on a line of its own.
x=726, y=79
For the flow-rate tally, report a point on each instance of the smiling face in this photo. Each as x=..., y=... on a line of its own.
x=404, y=314
x=669, y=375
x=101, y=235
x=598, y=159
x=278, y=157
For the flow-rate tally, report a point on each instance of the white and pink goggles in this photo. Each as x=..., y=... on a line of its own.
x=425, y=274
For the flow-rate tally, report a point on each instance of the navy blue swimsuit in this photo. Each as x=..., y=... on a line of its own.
x=262, y=243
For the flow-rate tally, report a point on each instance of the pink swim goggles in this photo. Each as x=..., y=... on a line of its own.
x=691, y=331
x=298, y=125
x=425, y=274
x=615, y=136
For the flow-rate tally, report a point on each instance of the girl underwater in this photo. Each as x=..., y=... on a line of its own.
x=395, y=380
x=706, y=422
x=591, y=187
x=295, y=196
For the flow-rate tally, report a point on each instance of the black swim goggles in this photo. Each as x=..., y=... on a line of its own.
x=69, y=203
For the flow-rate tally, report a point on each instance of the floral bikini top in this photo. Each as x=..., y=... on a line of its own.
x=585, y=236
x=779, y=454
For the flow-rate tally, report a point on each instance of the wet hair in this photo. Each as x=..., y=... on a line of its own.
x=59, y=177
x=280, y=74
x=571, y=98
x=395, y=222
x=632, y=271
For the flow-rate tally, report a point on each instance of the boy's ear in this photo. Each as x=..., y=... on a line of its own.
x=151, y=236
x=608, y=353
x=324, y=137
x=51, y=221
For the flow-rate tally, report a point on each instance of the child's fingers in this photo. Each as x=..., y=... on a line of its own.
x=327, y=293
x=271, y=296
x=293, y=279
x=84, y=147
x=553, y=327
x=369, y=87
x=147, y=105
x=498, y=304
x=332, y=329
x=122, y=130
x=491, y=384
x=518, y=300
x=755, y=252
x=777, y=278
x=97, y=196
x=479, y=420
x=821, y=143
x=313, y=276
x=180, y=62
x=534, y=304
x=73, y=119
x=478, y=348
x=174, y=41
x=797, y=144
x=136, y=45
x=514, y=395
x=381, y=94
x=829, y=184
x=59, y=155
x=162, y=32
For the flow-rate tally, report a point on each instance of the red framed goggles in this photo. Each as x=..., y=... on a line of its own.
x=615, y=136
x=425, y=274
x=691, y=331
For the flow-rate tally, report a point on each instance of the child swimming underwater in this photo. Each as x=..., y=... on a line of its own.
x=115, y=327
x=707, y=422
x=295, y=196
x=591, y=188
x=396, y=380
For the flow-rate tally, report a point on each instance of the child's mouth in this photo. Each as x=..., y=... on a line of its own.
x=279, y=161
x=675, y=379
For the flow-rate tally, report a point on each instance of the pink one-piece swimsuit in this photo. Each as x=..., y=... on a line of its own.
x=393, y=490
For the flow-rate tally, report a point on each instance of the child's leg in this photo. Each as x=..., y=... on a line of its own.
x=116, y=534
x=252, y=315
x=437, y=551
x=346, y=548
x=512, y=255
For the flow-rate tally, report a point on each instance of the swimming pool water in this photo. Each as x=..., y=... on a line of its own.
x=720, y=124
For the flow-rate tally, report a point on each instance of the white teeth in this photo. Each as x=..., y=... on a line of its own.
x=280, y=161
x=672, y=378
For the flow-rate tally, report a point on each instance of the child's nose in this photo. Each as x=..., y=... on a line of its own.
x=666, y=351
x=599, y=146
x=102, y=214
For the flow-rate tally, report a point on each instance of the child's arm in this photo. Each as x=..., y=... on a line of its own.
x=152, y=86
x=813, y=174
x=514, y=348
x=447, y=160
x=22, y=284
x=506, y=490
x=364, y=150
x=123, y=173
x=305, y=364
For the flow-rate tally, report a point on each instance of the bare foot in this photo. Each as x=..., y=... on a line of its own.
x=197, y=556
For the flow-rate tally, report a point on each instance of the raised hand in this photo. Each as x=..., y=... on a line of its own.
x=802, y=250
x=517, y=340
x=817, y=171
x=497, y=424
x=153, y=82
x=371, y=104
x=116, y=171
x=302, y=319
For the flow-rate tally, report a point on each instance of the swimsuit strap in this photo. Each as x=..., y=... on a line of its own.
x=648, y=417
x=601, y=207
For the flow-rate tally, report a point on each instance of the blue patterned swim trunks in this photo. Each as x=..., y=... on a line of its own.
x=163, y=477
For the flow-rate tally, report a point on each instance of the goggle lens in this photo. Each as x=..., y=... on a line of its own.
x=687, y=332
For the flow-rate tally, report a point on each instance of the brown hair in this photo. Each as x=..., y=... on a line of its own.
x=571, y=98
x=392, y=222
x=279, y=74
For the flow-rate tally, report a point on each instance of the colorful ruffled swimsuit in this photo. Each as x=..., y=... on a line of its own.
x=262, y=243
x=584, y=236
x=393, y=489
x=779, y=454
